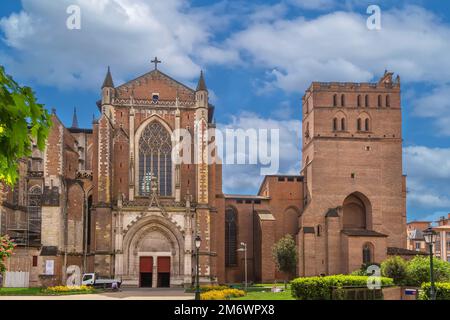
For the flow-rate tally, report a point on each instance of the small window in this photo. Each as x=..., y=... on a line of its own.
x=335, y=100
x=358, y=124
x=343, y=124
x=35, y=261
x=87, y=277
x=359, y=101
x=343, y=100
x=280, y=179
x=379, y=101
x=367, y=101
x=257, y=201
x=335, y=121
x=367, y=124
x=388, y=101
x=291, y=179
x=319, y=230
x=367, y=254
x=155, y=97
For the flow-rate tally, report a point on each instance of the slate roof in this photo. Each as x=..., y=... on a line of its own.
x=108, y=83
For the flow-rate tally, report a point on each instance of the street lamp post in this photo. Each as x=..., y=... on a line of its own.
x=430, y=239
x=244, y=249
x=198, y=242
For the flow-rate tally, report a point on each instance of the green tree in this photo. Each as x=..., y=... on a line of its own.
x=22, y=120
x=418, y=270
x=285, y=255
x=395, y=268
x=6, y=249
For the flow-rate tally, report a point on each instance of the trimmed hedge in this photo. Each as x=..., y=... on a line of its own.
x=442, y=291
x=320, y=288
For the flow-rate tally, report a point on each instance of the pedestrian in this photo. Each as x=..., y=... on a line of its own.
x=115, y=286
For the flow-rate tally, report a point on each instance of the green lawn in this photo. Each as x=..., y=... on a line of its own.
x=37, y=292
x=267, y=295
x=20, y=291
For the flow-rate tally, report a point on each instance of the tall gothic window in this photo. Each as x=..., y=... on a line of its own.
x=155, y=159
x=230, y=237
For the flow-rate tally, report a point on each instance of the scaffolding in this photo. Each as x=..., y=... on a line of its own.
x=23, y=224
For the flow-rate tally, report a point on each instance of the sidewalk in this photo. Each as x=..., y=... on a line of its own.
x=125, y=294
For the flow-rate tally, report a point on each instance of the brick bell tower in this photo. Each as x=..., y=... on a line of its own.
x=354, y=188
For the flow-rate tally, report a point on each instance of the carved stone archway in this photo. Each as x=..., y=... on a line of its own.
x=153, y=236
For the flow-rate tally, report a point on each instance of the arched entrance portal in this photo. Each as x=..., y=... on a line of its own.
x=357, y=212
x=153, y=255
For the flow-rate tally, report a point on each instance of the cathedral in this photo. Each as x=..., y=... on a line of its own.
x=115, y=199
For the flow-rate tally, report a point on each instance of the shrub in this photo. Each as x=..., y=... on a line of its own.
x=418, y=270
x=362, y=271
x=6, y=250
x=395, y=268
x=442, y=291
x=222, y=294
x=207, y=288
x=320, y=288
x=66, y=289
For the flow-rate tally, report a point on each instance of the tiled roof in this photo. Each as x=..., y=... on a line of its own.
x=265, y=215
x=331, y=213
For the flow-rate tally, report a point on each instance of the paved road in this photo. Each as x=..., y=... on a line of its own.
x=125, y=294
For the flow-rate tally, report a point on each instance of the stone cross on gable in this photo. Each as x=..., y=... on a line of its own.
x=156, y=62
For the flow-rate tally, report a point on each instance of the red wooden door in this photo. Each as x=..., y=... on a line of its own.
x=146, y=265
x=163, y=264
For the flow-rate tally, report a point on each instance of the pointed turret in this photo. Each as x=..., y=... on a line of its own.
x=201, y=86
x=75, y=118
x=108, y=88
x=108, y=83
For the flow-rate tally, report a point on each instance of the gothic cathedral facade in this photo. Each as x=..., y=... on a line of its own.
x=117, y=200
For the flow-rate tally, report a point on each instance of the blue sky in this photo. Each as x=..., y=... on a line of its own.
x=258, y=56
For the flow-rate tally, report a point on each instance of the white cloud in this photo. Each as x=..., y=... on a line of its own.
x=338, y=47
x=435, y=104
x=428, y=171
x=427, y=163
x=123, y=33
x=247, y=178
x=293, y=51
